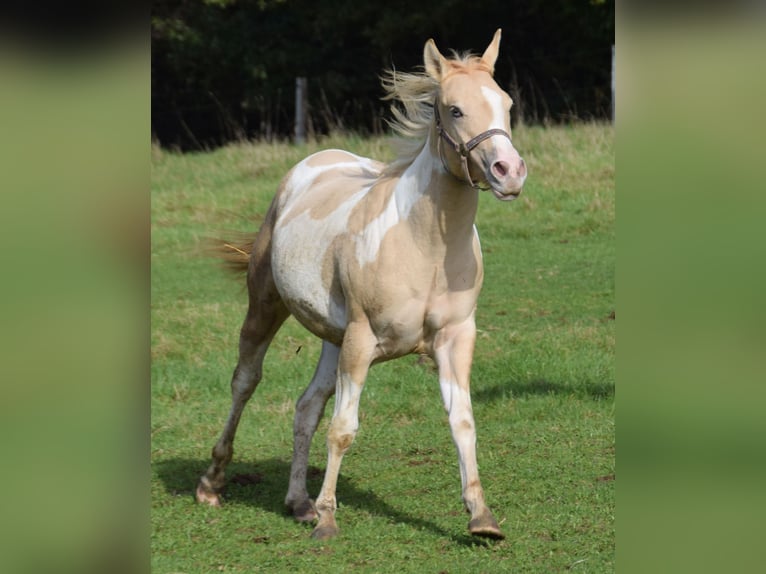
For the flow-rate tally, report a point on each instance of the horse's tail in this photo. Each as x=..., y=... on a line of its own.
x=233, y=252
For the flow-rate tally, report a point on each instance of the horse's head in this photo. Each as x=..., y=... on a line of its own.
x=472, y=117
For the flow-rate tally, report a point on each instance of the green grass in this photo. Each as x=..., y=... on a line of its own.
x=542, y=385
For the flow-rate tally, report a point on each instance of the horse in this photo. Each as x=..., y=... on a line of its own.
x=380, y=261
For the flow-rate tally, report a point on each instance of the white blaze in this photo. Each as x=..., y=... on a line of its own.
x=502, y=143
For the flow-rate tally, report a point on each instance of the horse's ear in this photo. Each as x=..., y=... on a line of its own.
x=434, y=62
x=490, y=54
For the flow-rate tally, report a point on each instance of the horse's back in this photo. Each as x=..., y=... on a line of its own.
x=323, y=181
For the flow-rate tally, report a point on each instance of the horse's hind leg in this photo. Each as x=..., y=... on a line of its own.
x=265, y=316
x=308, y=411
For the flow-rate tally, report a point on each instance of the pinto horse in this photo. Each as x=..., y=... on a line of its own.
x=381, y=261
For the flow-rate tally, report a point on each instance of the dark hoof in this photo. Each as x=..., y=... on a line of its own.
x=486, y=527
x=325, y=532
x=304, y=511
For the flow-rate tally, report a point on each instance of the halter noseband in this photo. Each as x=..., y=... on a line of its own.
x=463, y=149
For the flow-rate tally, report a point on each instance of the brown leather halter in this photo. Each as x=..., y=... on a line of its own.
x=463, y=149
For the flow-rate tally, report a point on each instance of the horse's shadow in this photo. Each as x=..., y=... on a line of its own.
x=263, y=484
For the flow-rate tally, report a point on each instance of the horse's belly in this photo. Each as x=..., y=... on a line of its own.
x=303, y=267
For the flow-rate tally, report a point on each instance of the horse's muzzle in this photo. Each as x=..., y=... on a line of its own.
x=507, y=181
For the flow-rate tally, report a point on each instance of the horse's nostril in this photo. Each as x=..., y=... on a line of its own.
x=523, y=169
x=500, y=168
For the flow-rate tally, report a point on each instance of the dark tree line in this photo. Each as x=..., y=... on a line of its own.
x=226, y=69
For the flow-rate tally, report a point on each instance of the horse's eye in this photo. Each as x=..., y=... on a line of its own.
x=456, y=112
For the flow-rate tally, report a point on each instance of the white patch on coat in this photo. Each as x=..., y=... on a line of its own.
x=457, y=401
x=300, y=245
x=407, y=192
x=304, y=174
x=478, y=241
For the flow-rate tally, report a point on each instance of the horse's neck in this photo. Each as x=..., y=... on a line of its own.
x=440, y=207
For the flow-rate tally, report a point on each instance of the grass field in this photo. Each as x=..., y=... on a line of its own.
x=542, y=384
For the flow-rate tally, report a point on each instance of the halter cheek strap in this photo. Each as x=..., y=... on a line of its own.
x=463, y=149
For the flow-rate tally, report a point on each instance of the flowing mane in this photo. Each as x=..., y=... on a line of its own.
x=413, y=95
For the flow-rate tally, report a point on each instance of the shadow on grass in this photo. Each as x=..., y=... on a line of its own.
x=268, y=485
x=515, y=388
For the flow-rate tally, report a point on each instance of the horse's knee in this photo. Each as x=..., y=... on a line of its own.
x=340, y=439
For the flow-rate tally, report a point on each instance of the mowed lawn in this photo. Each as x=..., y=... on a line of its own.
x=542, y=385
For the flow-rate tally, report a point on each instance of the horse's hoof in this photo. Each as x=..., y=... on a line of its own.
x=325, y=532
x=305, y=511
x=205, y=496
x=486, y=527
x=488, y=532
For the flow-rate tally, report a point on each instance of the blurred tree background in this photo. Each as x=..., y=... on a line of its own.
x=223, y=70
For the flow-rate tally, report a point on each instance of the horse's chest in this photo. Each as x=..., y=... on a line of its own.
x=407, y=317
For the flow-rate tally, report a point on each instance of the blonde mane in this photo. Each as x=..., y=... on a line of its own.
x=413, y=94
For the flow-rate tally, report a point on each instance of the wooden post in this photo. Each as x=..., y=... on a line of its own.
x=613, y=83
x=300, y=110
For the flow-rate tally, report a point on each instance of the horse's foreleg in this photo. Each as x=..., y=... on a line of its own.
x=356, y=355
x=453, y=352
x=308, y=411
